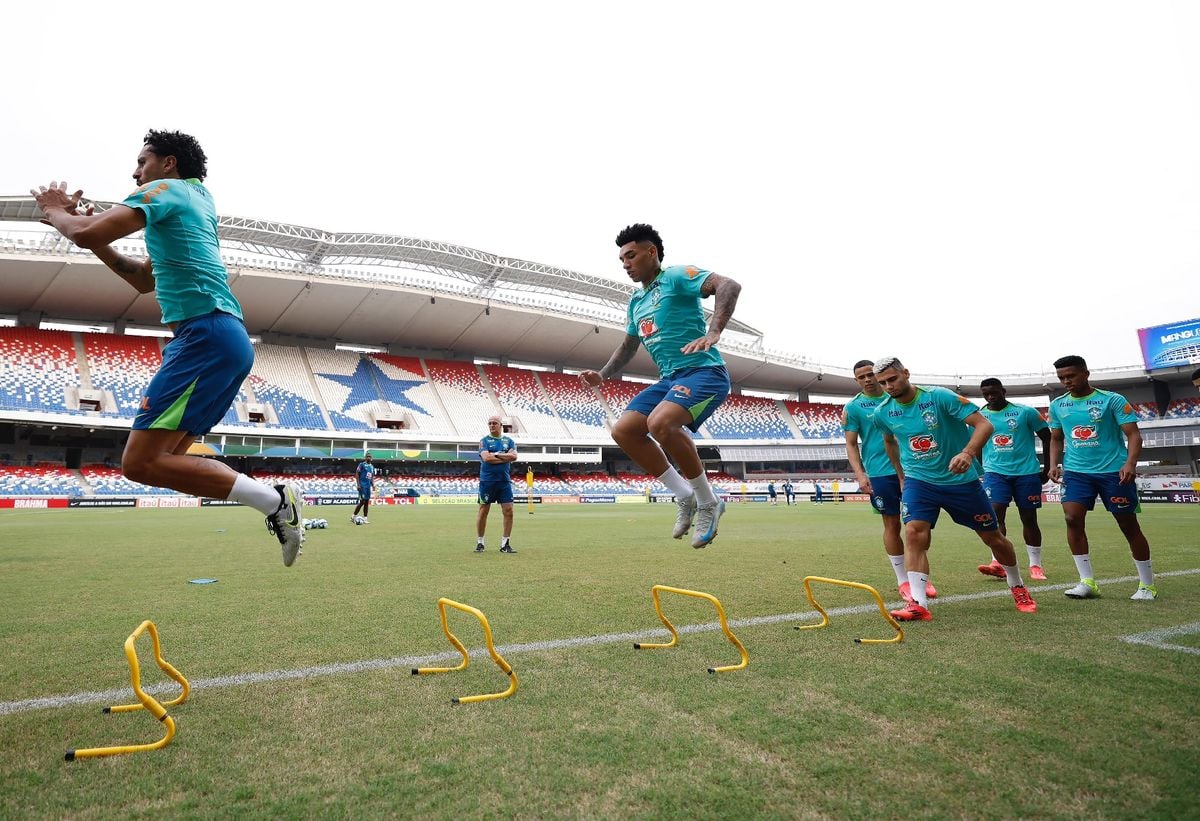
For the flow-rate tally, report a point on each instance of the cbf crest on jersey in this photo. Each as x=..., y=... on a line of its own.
x=930, y=418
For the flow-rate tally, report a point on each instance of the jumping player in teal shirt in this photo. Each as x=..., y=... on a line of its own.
x=875, y=472
x=1089, y=456
x=939, y=435
x=210, y=355
x=666, y=317
x=1011, y=472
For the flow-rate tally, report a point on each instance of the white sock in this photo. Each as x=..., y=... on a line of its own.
x=898, y=567
x=676, y=483
x=916, y=587
x=1084, y=565
x=1035, y=555
x=1145, y=572
x=479, y=540
x=1014, y=575
x=263, y=498
x=504, y=541
x=703, y=490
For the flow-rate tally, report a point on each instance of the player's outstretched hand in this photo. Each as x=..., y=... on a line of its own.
x=55, y=196
x=592, y=378
x=702, y=344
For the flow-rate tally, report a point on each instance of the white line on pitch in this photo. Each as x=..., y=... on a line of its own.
x=110, y=696
x=1158, y=638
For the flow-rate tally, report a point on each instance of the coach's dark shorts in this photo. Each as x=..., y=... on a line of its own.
x=499, y=491
x=203, y=368
x=700, y=390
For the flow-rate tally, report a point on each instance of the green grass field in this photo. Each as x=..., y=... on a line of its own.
x=984, y=712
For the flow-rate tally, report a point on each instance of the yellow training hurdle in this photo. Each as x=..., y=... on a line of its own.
x=443, y=603
x=662, y=588
x=808, y=580
x=145, y=700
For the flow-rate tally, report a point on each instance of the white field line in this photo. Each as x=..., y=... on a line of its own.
x=123, y=695
x=1158, y=638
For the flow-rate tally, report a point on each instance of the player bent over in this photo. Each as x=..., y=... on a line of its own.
x=667, y=318
x=939, y=435
x=1090, y=458
x=210, y=355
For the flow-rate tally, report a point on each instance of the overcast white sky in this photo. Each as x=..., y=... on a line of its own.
x=975, y=187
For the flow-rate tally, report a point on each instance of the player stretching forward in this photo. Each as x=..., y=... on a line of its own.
x=667, y=318
x=210, y=355
x=1087, y=424
x=876, y=472
x=496, y=453
x=364, y=477
x=937, y=456
x=1010, y=469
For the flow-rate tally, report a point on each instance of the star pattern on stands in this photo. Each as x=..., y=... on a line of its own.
x=362, y=388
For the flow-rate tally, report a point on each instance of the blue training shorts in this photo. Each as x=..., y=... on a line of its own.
x=497, y=491
x=203, y=368
x=364, y=492
x=700, y=390
x=967, y=504
x=1083, y=488
x=885, y=494
x=1025, y=490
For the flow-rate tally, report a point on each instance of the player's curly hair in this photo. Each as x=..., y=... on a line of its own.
x=641, y=232
x=189, y=156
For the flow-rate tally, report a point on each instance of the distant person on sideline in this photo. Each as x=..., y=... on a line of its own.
x=210, y=355
x=666, y=317
x=496, y=453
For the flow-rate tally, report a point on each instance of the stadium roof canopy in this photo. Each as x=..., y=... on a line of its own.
x=306, y=286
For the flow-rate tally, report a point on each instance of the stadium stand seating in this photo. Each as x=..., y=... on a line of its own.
x=280, y=378
x=109, y=482
x=1145, y=411
x=124, y=365
x=816, y=420
x=1184, y=408
x=521, y=396
x=406, y=387
x=618, y=393
x=462, y=392
x=36, y=368
x=578, y=406
x=748, y=417
x=39, y=481
x=348, y=386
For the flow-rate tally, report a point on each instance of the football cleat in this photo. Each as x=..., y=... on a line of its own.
x=707, y=517
x=683, y=519
x=912, y=612
x=508, y=548
x=1036, y=573
x=1145, y=592
x=906, y=593
x=993, y=569
x=479, y=548
x=1025, y=602
x=930, y=590
x=1086, y=589
x=286, y=523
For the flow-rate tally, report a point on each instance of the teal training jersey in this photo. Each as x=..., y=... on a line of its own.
x=930, y=431
x=1011, y=450
x=181, y=237
x=858, y=416
x=1091, y=426
x=498, y=472
x=667, y=315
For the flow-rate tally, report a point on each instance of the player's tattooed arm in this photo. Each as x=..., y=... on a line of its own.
x=137, y=272
x=620, y=358
x=726, y=291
